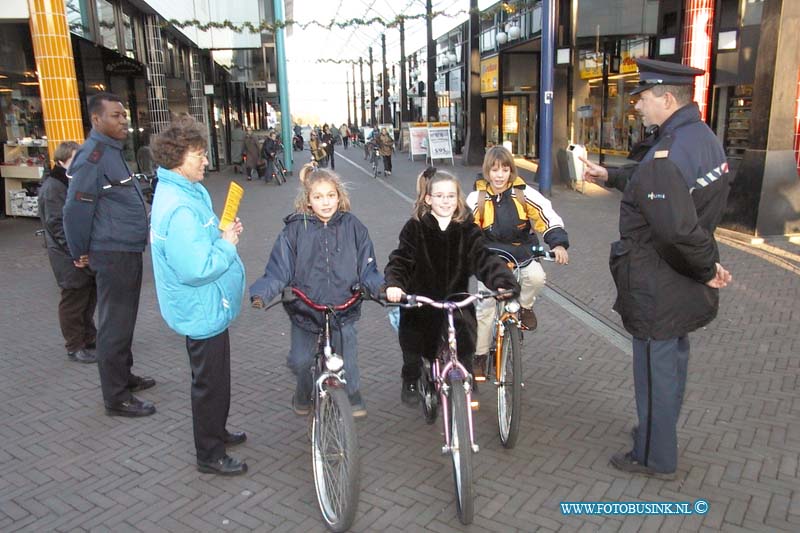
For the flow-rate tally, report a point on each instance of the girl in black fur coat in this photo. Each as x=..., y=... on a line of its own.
x=440, y=248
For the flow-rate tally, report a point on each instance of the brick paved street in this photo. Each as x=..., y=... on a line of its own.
x=66, y=466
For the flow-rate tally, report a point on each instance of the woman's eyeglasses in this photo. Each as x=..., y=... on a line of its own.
x=204, y=154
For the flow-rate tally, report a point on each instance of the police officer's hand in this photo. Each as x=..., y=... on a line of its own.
x=593, y=172
x=232, y=233
x=562, y=257
x=82, y=262
x=257, y=302
x=720, y=279
x=394, y=294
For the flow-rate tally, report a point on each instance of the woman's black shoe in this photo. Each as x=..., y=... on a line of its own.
x=131, y=408
x=224, y=466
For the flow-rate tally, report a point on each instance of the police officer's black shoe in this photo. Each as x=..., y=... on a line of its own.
x=137, y=383
x=624, y=461
x=131, y=408
x=232, y=439
x=409, y=395
x=224, y=466
x=82, y=356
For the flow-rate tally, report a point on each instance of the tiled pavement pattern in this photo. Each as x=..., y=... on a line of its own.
x=66, y=466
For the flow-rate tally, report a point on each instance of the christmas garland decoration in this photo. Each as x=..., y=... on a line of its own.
x=507, y=7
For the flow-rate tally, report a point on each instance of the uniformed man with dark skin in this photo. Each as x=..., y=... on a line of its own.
x=666, y=263
x=105, y=222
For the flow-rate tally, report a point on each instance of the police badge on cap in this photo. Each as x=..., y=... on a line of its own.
x=653, y=72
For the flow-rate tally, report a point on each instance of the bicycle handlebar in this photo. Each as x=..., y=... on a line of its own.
x=417, y=300
x=538, y=253
x=321, y=307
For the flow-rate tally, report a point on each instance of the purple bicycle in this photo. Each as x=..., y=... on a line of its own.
x=446, y=382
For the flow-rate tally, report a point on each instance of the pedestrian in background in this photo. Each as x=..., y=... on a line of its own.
x=251, y=153
x=105, y=223
x=329, y=140
x=323, y=250
x=199, y=280
x=237, y=146
x=386, y=147
x=78, y=289
x=269, y=150
x=666, y=263
x=344, y=134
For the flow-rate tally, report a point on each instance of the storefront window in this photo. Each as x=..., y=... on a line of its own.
x=130, y=44
x=107, y=25
x=78, y=18
x=615, y=131
x=20, y=101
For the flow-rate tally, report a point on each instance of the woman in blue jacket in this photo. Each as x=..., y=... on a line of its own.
x=200, y=283
x=323, y=250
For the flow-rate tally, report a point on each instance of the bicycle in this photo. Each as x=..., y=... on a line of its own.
x=334, y=442
x=505, y=353
x=446, y=377
x=278, y=169
x=375, y=156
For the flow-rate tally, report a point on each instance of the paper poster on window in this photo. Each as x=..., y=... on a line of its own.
x=510, y=123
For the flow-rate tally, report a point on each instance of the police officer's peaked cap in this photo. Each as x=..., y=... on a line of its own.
x=653, y=72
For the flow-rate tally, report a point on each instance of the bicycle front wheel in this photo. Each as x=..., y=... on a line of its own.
x=280, y=175
x=509, y=389
x=334, y=447
x=461, y=450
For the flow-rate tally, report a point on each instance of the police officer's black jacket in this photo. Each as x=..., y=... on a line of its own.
x=105, y=208
x=669, y=211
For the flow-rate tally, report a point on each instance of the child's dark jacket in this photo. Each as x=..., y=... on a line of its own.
x=322, y=260
x=437, y=264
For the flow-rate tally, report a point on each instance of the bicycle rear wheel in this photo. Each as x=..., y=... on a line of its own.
x=430, y=400
x=334, y=447
x=509, y=389
x=461, y=450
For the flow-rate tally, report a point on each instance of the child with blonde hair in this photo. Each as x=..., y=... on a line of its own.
x=323, y=250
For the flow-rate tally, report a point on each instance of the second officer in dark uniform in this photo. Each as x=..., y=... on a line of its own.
x=666, y=263
x=105, y=222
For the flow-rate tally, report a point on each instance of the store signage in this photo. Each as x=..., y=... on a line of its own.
x=418, y=140
x=439, y=145
x=255, y=85
x=114, y=63
x=490, y=68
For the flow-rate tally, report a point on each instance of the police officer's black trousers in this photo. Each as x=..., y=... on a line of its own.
x=119, y=282
x=210, y=360
x=659, y=377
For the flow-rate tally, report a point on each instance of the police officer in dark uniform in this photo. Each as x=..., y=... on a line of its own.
x=105, y=222
x=666, y=263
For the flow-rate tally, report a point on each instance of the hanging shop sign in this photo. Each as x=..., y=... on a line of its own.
x=489, y=70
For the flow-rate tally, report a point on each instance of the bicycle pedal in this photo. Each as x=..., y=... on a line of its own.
x=480, y=379
x=475, y=405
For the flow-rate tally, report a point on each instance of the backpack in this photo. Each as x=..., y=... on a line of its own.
x=519, y=194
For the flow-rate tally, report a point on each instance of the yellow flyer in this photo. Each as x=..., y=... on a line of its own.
x=235, y=194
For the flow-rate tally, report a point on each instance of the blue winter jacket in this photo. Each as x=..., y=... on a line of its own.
x=324, y=260
x=199, y=276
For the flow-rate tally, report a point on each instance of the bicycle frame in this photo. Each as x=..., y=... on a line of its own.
x=504, y=313
x=329, y=368
x=446, y=366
